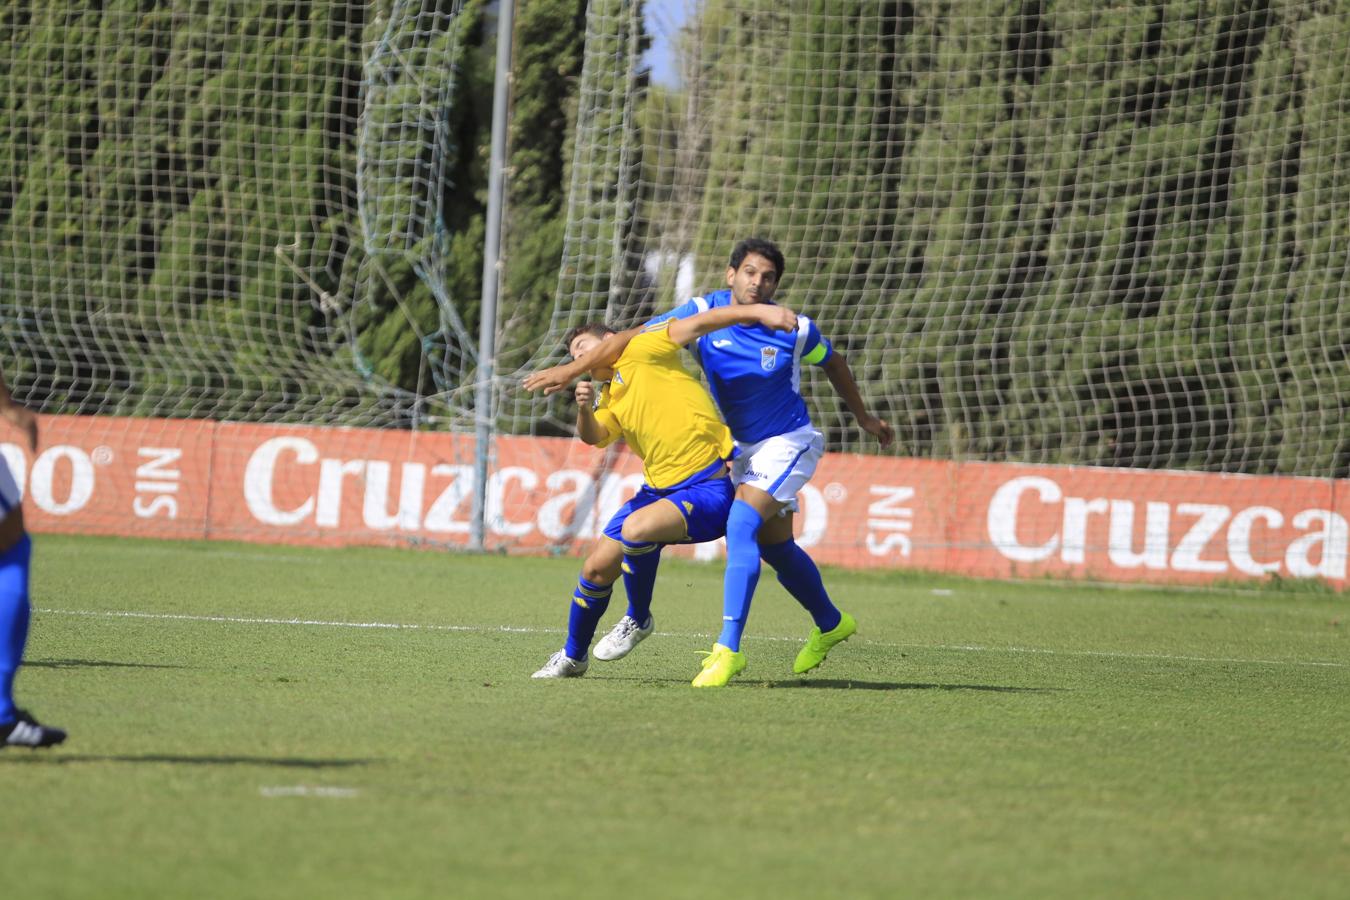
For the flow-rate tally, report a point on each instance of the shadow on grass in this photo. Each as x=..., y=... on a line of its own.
x=850, y=684
x=843, y=684
x=283, y=762
x=93, y=664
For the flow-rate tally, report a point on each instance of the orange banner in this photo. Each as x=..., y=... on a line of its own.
x=338, y=486
x=1135, y=525
x=94, y=475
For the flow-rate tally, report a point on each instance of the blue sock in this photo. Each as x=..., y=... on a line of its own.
x=13, y=621
x=798, y=573
x=738, y=588
x=639, y=576
x=589, y=602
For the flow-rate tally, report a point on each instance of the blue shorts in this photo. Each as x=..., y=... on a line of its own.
x=704, y=505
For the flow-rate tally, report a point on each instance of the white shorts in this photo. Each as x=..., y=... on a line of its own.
x=780, y=465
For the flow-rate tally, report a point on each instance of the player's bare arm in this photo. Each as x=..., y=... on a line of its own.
x=841, y=376
x=19, y=416
x=779, y=318
x=589, y=428
x=602, y=356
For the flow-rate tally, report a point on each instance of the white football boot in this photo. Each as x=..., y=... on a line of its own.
x=560, y=665
x=622, y=638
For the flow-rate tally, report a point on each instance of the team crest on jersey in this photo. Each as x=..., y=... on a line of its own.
x=768, y=358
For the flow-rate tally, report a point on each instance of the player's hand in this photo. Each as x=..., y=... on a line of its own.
x=586, y=395
x=779, y=318
x=878, y=428
x=550, y=381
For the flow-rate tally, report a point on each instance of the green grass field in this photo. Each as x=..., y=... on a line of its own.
x=246, y=721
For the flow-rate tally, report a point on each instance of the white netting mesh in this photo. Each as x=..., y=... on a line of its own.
x=208, y=202
x=1052, y=232
x=1059, y=232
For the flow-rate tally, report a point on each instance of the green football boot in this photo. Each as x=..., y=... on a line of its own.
x=818, y=645
x=719, y=666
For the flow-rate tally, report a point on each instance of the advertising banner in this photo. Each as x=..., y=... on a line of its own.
x=339, y=486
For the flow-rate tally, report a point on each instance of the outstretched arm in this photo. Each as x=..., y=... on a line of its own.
x=604, y=355
x=779, y=318
x=682, y=331
x=19, y=416
x=841, y=376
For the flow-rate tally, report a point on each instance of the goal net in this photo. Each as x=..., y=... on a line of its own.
x=1105, y=234
x=1062, y=233
x=225, y=210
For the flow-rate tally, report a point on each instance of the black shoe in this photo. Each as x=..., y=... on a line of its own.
x=27, y=732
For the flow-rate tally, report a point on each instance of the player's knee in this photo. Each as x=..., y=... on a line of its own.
x=596, y=575
x=743, y=522
x=641, y=531
x=600, y=570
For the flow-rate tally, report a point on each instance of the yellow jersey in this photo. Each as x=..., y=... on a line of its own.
x=662, y=411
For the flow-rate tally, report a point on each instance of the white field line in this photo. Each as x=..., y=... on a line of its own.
x=514, y=629
x=167, y=548
x=303, y=790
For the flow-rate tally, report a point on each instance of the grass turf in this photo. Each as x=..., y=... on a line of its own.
x=975, y=739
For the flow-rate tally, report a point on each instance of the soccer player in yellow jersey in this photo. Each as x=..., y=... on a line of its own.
x=648, y=399
x=755, y=378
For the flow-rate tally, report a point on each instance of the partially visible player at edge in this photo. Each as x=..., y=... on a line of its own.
x=755, y=376
x=664, y=414
x=17, y=728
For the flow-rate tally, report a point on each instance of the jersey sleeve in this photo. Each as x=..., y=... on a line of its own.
x=609, y=422
x=817, y=348
x=683, y=311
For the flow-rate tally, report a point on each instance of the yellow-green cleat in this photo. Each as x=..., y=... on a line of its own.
x=719, y=666
x=818, y=645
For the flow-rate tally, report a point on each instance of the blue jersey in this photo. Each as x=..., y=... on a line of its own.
x=754, y=373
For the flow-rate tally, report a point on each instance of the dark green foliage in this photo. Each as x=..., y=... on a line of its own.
x=176, y=177
x=546, y=65
x=426, y=167
x=1055, y=231
x=180, y=187
x=1045, y=231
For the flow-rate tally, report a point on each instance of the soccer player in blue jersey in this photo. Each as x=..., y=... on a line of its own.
x=17, y=728
x=667, y=418
x=755, y=378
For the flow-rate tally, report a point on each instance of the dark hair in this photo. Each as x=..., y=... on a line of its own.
x=599, y=329
x=765, y=248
